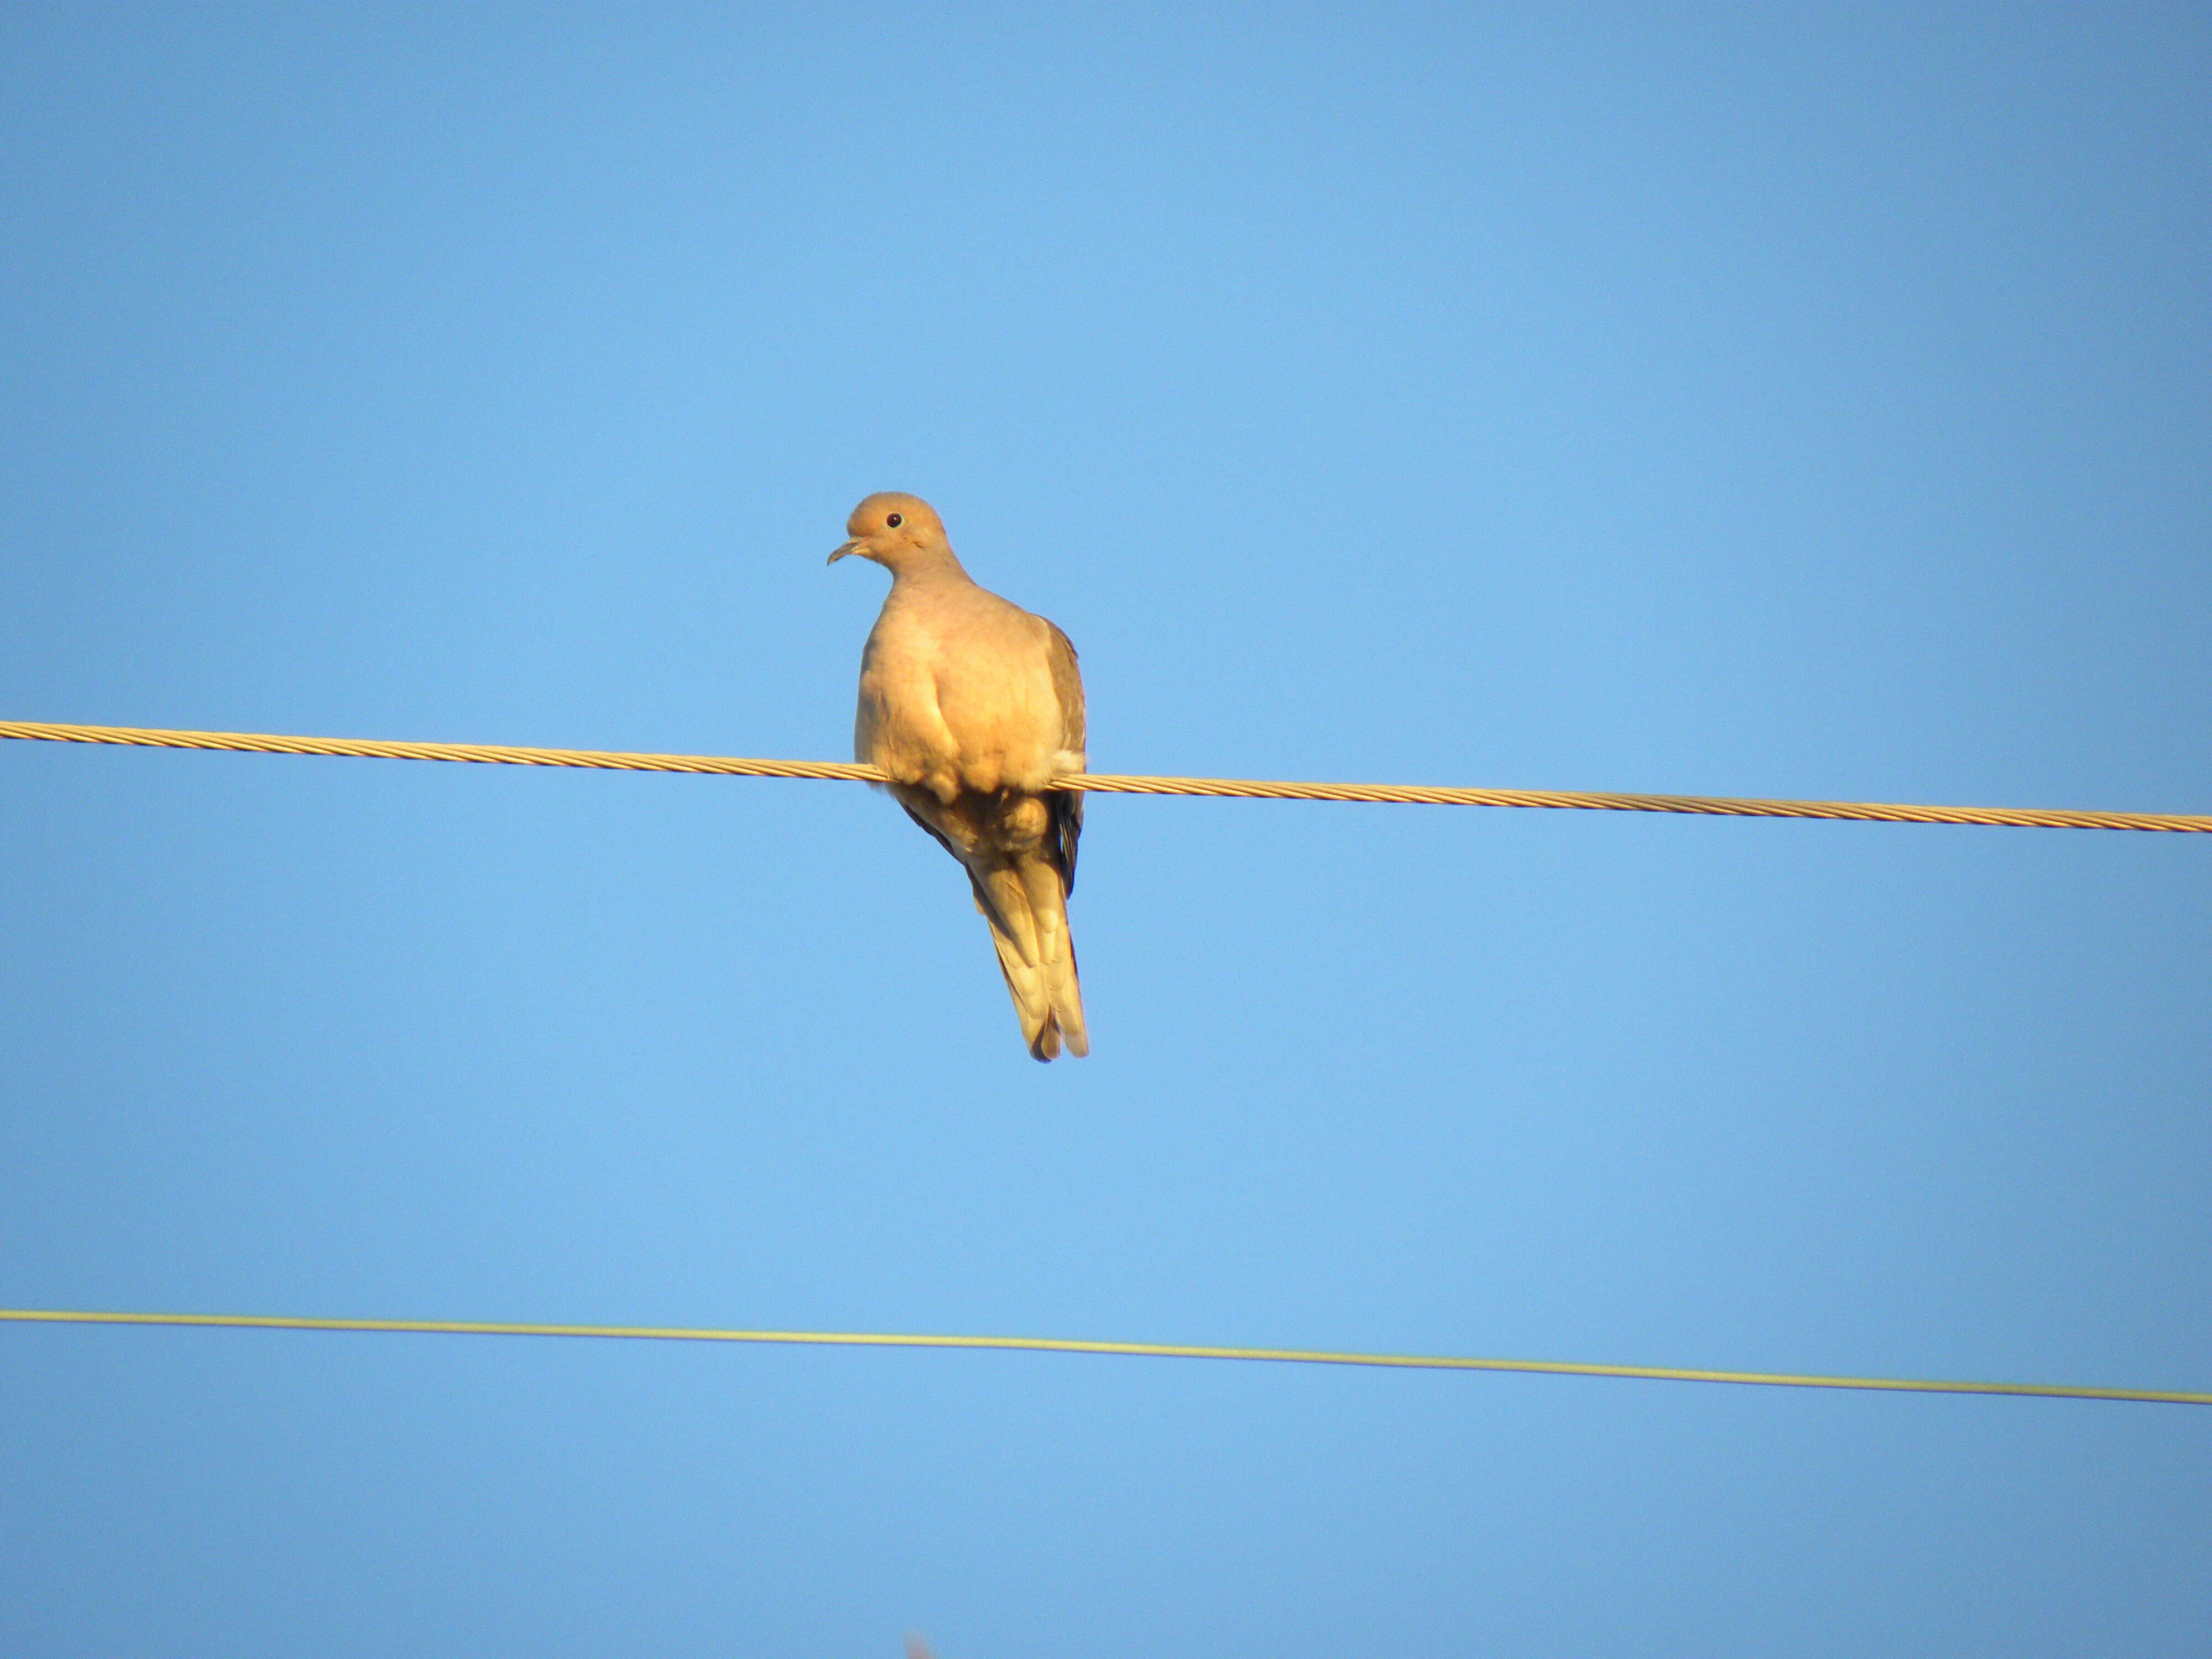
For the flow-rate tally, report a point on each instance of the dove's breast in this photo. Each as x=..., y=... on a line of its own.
x=957, y=693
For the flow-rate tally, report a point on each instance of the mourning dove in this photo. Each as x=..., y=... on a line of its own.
x=971, y=705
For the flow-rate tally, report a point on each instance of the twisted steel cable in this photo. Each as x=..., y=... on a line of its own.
x=1112, y=783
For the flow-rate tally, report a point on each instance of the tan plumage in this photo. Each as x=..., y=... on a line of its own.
x=971, y=705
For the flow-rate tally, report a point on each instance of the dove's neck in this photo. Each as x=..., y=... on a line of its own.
x=920, y=567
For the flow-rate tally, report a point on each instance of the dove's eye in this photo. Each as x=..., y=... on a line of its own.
x=896, y=521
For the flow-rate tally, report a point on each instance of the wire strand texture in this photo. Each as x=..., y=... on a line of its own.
x=1071, y=1344
x=1109, y=783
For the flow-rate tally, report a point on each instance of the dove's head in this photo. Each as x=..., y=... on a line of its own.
x=896, y=531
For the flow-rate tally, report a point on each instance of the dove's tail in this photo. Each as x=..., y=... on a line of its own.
x=1048, y=897
x=1026, y=907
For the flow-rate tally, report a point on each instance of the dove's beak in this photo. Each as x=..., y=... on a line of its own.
x=853, y=546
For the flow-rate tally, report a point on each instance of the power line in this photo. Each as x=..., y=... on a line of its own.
x=1108, y=783
x=1066, y=1345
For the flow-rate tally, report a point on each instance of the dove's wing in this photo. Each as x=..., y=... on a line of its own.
x=1066, y=804
x=1047, y=873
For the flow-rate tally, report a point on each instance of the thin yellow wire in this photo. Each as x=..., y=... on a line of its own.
x=1109, y=783
x=1063, y=1344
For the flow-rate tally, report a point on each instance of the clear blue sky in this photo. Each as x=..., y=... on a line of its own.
x=1760, y=401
